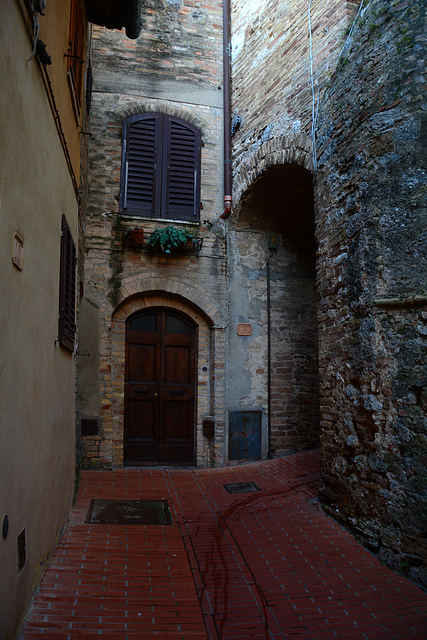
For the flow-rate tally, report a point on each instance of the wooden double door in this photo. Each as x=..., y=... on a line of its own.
x=159, y=388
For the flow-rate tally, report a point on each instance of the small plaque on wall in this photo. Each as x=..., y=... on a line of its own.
x=244, y=329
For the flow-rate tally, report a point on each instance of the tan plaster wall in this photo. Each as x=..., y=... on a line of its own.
x=36, y=375
x=54, y=32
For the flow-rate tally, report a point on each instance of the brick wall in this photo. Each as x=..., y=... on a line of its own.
x=279, y=205
x=271, y=73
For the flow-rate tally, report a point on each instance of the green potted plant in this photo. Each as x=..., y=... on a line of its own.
x=170, y=238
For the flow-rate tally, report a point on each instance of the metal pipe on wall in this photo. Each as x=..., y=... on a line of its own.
x=226, y=46
x=268, y=358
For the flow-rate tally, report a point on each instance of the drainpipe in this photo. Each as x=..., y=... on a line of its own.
x=226, y=46
x=269, y=358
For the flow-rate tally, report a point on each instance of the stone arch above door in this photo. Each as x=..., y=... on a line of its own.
x=189, y=294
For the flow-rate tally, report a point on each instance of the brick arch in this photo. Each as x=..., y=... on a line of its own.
x=157, y=106
x=277, y=151
x=188, y=294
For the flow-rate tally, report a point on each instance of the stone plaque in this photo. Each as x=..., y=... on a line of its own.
x=244, y=329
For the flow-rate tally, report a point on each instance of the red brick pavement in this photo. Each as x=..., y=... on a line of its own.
x=268, y=564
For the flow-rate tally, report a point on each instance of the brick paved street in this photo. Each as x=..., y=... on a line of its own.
x=266, y=564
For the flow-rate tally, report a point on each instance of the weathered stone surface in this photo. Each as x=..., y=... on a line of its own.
x=371, y=222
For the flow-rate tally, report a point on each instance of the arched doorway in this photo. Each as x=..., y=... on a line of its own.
x=273, y=289
x=159, y=388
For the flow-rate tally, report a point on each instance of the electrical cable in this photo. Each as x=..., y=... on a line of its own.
x=313, y=106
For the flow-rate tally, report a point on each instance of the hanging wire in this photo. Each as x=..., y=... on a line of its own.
x=36, y=29
x=313, y=105
x=351, y=31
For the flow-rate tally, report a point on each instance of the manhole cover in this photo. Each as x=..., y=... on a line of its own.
x=241, y=487
x=129, y=512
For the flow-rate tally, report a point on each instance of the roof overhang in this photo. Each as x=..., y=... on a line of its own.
x=116, y=14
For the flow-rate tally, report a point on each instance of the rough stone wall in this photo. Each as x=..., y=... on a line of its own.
x=371, y=224
x=174, y=67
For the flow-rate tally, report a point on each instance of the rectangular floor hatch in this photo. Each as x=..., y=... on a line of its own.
x=129, y=512
x=241, y=487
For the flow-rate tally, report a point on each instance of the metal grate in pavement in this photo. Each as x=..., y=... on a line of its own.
x=128, y=512
x=241, y=487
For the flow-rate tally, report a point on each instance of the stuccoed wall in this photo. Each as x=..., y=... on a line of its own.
x=371, y=224
x=37, y=376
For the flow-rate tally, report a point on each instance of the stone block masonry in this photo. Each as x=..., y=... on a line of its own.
x=174, y=67
x=370, y=212
x=372, y=275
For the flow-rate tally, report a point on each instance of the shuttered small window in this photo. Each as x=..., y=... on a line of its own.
x=67, y=289
x=160, y=168
x=75, y=54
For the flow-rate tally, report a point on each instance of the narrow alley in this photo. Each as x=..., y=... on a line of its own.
x=262, y=563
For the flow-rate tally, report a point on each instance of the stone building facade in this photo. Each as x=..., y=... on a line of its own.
x=174, y=68
x=309, y=301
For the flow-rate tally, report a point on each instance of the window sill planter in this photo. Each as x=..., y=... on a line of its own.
x=170, y=239
x=134, y=238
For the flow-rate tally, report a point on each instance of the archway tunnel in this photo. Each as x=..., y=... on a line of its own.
x=272, y=288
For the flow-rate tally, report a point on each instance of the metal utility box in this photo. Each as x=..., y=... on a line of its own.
x=245, y=435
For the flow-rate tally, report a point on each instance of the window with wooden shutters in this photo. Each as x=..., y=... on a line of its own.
x=67, y=288
x=160, y=168
x=75, y=54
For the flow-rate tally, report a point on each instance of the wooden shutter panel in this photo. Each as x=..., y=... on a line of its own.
x=76, y=51
x=67, y=288
x=139, y=168
x=181, y=190
x=160, y=168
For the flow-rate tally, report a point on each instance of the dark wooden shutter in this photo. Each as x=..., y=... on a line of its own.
x=67, y=288
x=181, y=196
x=139, y=169
x=160, y=168
x=76, y=51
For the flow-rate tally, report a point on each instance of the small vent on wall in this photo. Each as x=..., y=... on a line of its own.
x=89, y=427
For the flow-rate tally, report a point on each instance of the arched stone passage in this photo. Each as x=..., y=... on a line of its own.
x=273, y=229
x=279, y=151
